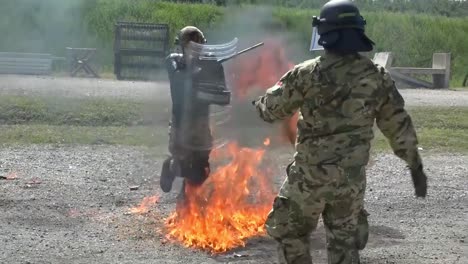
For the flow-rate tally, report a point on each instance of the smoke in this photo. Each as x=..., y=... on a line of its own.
x=252, y=25
x=42, y=26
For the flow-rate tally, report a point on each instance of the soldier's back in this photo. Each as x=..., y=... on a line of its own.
x=339, y=110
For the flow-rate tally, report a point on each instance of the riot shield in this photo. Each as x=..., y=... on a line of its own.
x=207, y=96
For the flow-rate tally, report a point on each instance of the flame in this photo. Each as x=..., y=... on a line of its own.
x=261, y=69
x=144, y=205
x=11, y=176
x=231, y=206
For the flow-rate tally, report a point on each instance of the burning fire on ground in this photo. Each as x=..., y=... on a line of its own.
x=234, y=202
x=143, y=208
x=230, y=207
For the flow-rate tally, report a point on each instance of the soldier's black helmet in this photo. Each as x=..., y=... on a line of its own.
x=341, y=27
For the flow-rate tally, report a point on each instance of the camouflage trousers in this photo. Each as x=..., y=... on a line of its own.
x=310, y=191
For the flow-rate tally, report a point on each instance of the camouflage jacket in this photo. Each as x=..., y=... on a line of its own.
x=339, y=98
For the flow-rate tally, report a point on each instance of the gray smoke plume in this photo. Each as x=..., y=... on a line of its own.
x=251, y=25
x=42, y=25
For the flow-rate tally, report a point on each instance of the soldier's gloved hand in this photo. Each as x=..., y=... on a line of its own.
x=419, y=181
x=261, y=109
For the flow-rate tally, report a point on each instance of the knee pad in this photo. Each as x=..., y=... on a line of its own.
x=362, y=231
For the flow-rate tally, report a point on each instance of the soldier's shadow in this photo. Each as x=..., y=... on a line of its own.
x=263, y=249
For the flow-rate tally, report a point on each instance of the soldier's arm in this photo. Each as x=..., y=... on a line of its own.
x=397, y=126
x=284, y=98
x=177, y=99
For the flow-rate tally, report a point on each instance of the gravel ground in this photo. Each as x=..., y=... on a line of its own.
x=69, y=204
x=84, y=87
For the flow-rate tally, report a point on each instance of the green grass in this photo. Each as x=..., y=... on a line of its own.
x=148, y=136
x=52, y=25
x=412, y=38
x=80, y=112
x=440, y=129
x=45, y=120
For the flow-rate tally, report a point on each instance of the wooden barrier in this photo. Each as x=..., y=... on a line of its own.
x=25, y=63
x=80, y=59
x=440, y=70
x=139, y=49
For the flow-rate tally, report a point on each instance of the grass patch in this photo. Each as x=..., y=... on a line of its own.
x=440, y=129
x=44, y=120
x=148, y=136
x=79, y=112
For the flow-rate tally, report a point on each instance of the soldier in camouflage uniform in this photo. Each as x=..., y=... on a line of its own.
x=339, y=97
x=190, y=138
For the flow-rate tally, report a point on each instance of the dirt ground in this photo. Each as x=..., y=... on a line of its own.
x=70, y=204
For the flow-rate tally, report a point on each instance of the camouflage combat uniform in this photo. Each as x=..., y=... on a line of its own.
x=339, y=99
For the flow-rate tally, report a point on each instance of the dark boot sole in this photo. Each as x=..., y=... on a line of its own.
x=167, y=177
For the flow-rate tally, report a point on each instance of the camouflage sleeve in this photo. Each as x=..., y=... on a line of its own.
x=396, y=124
x=284, y=98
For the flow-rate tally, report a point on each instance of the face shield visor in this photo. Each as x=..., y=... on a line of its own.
x=314, y=41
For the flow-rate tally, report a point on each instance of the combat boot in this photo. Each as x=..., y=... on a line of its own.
x=168, y=174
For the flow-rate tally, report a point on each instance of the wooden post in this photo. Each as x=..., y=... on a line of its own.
x=384, y=59
x=441, y=61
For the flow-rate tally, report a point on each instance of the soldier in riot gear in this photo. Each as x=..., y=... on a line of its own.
x=339, y=95
x=186, y=160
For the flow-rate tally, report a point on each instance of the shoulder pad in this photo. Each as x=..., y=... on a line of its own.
x=307, y=67
x=308, y=64
x=174, y=56
x=173, y=61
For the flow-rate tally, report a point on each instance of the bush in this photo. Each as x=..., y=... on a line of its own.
x=412, y=38
x=102, y=17
x=52, y=25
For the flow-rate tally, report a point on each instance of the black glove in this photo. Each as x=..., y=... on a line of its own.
x=419, y=181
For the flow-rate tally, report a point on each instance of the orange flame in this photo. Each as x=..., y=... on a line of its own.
x=143, y=208
x=261, y=69
x=12, y=176
x=231, y=206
